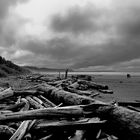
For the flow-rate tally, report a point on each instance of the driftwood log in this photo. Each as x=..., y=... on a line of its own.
x=60, y=96
x=122, y=122
x=69, y=125
x=80, y=92
x=125, y=123
x=93, y=85
x=18, y=135
x=34, y=103
x=15, y=106
x=20, y=132
x=47, y=103
x=60, y=112
x=121, y=119
x=6, y=93
x=10, y=93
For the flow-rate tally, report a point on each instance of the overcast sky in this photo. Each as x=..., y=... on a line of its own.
x=78, y=34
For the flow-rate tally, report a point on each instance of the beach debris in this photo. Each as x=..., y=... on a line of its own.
x=66, y=73
x=133, y=108
x=55, y=108
x=128, y=103
x=106, y=91
x=128, y=75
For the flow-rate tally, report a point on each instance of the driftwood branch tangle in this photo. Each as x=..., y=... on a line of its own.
x=124, y=122
x=120, y=118
x=20, y=132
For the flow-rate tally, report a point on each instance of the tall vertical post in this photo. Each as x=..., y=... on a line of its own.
x=66, y=73
x=59, y=74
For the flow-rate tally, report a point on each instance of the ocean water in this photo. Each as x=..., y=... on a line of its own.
x=125, y=89
x=96, y=73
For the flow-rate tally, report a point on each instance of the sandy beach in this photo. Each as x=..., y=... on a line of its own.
x=43, y=92
x=125, y=89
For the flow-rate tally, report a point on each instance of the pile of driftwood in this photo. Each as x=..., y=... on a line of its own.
x=63, y=109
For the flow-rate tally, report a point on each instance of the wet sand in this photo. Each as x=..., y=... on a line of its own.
x=125, y=89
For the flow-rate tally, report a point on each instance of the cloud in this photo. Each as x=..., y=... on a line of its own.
x=59, y=50
x=79, y=20
x=9, y=22
x=127, y=19
x=4, y=6
x=112, y=53
x=121, y=24
x=87, y=36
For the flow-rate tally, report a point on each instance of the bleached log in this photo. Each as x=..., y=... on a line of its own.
x=34, y=103
x=79, y=92
x=19, y=134
x=14, y=106
x=6, y=93
x=47, y=102
x=67, y=125
x=37, y=100
x=46, y=138
x=61, y=81
x=94, y=95
x=93, y=84
x=61, y=96
x=26, y=106
x=74, y=85
x=121, y=119
x=60, y=112
x=124, y=122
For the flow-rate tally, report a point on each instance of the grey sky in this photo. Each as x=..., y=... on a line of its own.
x=80, y=34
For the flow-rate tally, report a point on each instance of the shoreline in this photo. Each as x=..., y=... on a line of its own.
x=124, y=89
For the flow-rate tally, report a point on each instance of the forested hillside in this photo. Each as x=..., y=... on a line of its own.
x=9, y=68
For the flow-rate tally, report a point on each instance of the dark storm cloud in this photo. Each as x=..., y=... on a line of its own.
x=65, y=49
x=56, y=52
x=129, y=22
x=112, y=53
x=78, y=20
x=78, y=56
x=125, y=46
x=59, y=49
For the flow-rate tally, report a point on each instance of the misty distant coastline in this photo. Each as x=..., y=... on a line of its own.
x=43, y=69
x=75, y=71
